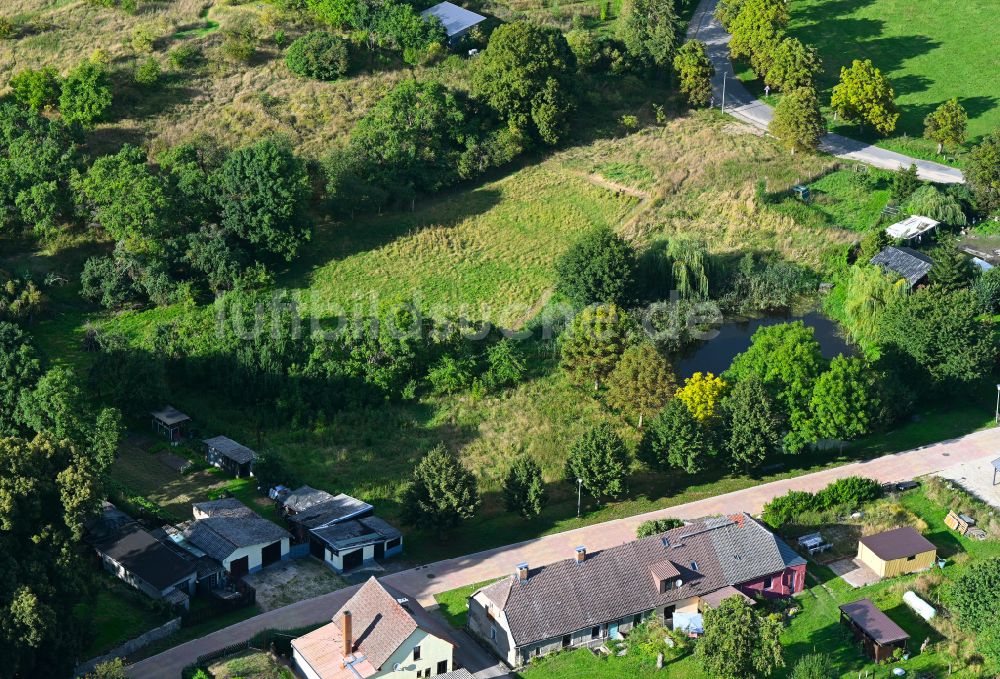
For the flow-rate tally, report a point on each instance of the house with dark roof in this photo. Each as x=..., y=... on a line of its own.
x=896, y=552
x=350, y=544
x=584, y=600
x=227, y=454
x=307, y=508
x=379, y=631
x=905, y=262
x=135, y=556
x=236, y=536
x=878, y=634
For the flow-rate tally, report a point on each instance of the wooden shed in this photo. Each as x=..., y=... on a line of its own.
x=227, y=454
x=896, y=552
x=171, y=422
x=878, y=634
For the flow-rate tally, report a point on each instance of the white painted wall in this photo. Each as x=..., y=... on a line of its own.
x=432, y=651
x=302, y=666
x=254, y=553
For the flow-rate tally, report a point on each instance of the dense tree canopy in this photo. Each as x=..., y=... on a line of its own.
x=675, y=439
x=845, y=402
x=864, y=95
x=793, y=65
x=19, y=370
x=694, y=72
x=601, y=460
x=797, y=120
x=757, y=31
x=598, y=268
x=649, y=30
x=37, y=89
x=739, y=642
x=526, y=75
x=262, y=192
x=983, y=174
x=752, y=425
x=86, y=93
x=441, y=493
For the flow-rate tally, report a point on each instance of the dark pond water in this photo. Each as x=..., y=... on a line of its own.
x=716, y=354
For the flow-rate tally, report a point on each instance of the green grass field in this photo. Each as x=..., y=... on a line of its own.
x=116, y=615
x=838, y=200
x=931, y=51
x=816, y=628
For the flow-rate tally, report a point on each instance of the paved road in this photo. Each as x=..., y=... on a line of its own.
x=424, y=582
x=744, y=106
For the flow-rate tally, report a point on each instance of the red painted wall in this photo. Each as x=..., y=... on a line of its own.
x=781, y=584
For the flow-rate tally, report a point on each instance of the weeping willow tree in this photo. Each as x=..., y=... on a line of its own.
x=930, y=202
x=689, y=266
x=869, y=293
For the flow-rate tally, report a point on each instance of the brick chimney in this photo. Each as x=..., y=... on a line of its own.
x=522, y=572
x=581, y=554
x=345, y=627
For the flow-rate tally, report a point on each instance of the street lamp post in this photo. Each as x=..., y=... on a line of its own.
x=996, y=417
x=579, y=483
x=724, y=91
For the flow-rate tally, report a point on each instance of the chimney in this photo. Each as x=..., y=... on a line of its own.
x=345, y=627
x=522, y=572
x=581, y=554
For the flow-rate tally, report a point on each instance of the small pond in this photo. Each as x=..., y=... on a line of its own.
x=716, y=354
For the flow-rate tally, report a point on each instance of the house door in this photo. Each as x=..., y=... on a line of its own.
x=353, y=560
x=613, y=630
x=379, y=550
x=668, y=616
x=316, y=548
x=239, y=567
x=271, y=553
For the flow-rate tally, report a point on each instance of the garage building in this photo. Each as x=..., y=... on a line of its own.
x=236, y=536
x=896, y=552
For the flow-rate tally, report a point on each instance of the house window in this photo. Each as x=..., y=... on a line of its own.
x=791, y=581
x=911, y=558
x=493, y=633
x=442, y=667
x=566, y=640
x=694, y=565
x=416, y=653
x=595, y=632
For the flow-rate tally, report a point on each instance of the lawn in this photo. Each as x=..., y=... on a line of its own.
x=249, y=665
x=816, y=627
x=839, y=199
x=931, y=51
x=116, y=615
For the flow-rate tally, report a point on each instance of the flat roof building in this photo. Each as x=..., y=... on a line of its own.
x=457, y=21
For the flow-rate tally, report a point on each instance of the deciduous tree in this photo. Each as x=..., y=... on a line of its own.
x=793, y=65
x=37, y=89
x=757, y=31
x=675, y=439
x=318, y=55
x=594, y=343
x=86, y=93
x=751, y=424
x=695, y=72
x=946, y=124
x=642, y=382
x=844, y=403
x=656, y=526
x=600, y=459
x=864, y=95
x=441, y=493
x=797, y=120
x=19, y=371
x=930, y=202
x=701, y=393
x=739, y=642
x=982, y=172
x=598, y=268
x=870, y=291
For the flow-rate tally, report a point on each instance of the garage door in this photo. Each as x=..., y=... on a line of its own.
x=239, y=567
x=316, y=548
x=353, y=560
x=271, y=553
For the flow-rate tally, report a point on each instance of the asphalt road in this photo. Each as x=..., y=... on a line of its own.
x=742, y=105
x=424, y=582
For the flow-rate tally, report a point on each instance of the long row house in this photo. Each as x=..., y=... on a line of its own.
x=584, y=600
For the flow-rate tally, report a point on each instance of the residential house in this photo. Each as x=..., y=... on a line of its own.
x=457, y=21
x=584, y=600
x=896, y=552
x=227, y=454
x=236, y=536
x=351, y=544
x=137, y=557
x=906, y=263
x=878, y=634
x=378, y=632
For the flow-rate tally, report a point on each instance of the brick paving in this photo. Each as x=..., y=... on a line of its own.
x=426, y=581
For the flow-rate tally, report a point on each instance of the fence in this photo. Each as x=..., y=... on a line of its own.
x=131, y=646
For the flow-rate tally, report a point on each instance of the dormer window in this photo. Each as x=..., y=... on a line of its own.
x=694, y=565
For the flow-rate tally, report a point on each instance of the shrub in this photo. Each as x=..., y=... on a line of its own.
x=6, y=28
x=36, y=89
x=656, y=526
x=147, y=73
x=975, y=595
x=782, y=509
x=317, y=55
x=853, y=491
x=451, y=374
x=86, y=93
x=184, y=56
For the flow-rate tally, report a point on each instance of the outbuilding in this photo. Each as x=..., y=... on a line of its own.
x=457, y=21
x=236, y=536
x=879, y=635
x=351, y=544
x=905, y=262
x=171, y=423
x=227, y=454
x=896, y=552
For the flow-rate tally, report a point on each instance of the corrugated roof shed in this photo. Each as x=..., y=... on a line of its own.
x=455, y=19
x=906, y=262
x=236, y=452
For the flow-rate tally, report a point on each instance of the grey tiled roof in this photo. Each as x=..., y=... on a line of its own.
x=137, y=550
x=336, y=508
x=170, y=416
x=220, y=536
x=237, y=452
x=906, y=262
x=305, y=497
x=614, y=583
x=227, y=506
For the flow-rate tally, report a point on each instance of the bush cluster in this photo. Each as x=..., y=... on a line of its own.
x=849, y=493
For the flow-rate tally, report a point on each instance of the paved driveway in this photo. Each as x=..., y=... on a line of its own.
x=746, y=107
x=424, y=582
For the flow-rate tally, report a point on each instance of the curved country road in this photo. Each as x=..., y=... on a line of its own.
x=426, y=581
x=744, y=106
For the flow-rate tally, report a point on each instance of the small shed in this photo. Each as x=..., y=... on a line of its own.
x=457, y=21
x=171, y=422
x=227, y=454
x=878, y=634
x=912, y=227
x=905, y=262
x=896, y=552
